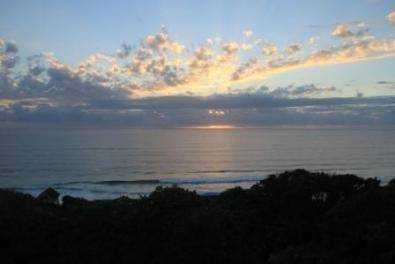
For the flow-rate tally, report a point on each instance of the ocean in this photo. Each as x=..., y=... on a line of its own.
x=104, y=162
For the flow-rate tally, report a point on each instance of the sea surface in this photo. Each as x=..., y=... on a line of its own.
x=100, y=163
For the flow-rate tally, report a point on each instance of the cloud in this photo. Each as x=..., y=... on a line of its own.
x=353, y=52
x=237, y=109
x=248, y=33
x=352, y=31
x=47, y=77
x=150, y=82
x=160, y=66
x=347, y=52
x=11, y=47
x=341, y=31
x=257, y=98
x=201, y=58
x=158, y=41
x=176, y=47
x=246, y=47
x=313, y=40
x=230, y=48
x=8, y=56
x=9, y=62
x=35, y=65
x=311, y=89
x=248, y=68
x=293, y=48
x=385, y=82
x=269, y=49
x=124, y=51
x=156, y=69
x=361, y=24
x=391, y=17
x=291, y=91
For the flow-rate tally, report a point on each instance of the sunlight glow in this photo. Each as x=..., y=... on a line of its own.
x=215, y=112
x=220, y=127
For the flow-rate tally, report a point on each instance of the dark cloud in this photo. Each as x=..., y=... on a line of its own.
x=232, y=109
x=124, y=51
x=9, y=62
x=7, y=87
x=247, y=68
x=11, y=47
x=65, y=84
x=291, y=91
x=311, y=89
x=235, y=101
x=172, y=76
x=47, y=77
x=293, y=48
x=385, y=82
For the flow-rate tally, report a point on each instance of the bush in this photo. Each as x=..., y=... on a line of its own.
x=294, y=217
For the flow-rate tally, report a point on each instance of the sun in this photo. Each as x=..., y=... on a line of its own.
x=213, y=127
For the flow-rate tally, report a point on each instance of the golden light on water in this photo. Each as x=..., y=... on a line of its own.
x=219, y=127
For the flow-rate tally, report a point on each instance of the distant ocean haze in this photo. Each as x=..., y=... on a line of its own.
x=94, y=162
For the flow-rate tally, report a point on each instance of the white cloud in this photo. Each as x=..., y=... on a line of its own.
x=341, y=31
x=246, y=47
x=231, y=47
x=269, y=49
x=313, y=40
x=248, y=33
x=176, y=47
x=391, y=17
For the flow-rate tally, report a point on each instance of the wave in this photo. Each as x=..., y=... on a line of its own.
x=168, y=181
x=145, y=172
x=226, y=171
x=110, y=189
x=212, y=180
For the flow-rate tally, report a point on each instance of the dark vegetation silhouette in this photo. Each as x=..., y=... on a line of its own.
x=293, y=217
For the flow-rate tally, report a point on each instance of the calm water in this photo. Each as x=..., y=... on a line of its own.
x=105, y=163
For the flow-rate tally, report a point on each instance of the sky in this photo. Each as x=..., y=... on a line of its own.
x=63, y=57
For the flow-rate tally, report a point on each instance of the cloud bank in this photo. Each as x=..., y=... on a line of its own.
x=257, y=108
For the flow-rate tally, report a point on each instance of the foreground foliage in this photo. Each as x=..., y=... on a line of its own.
x=293, y=217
